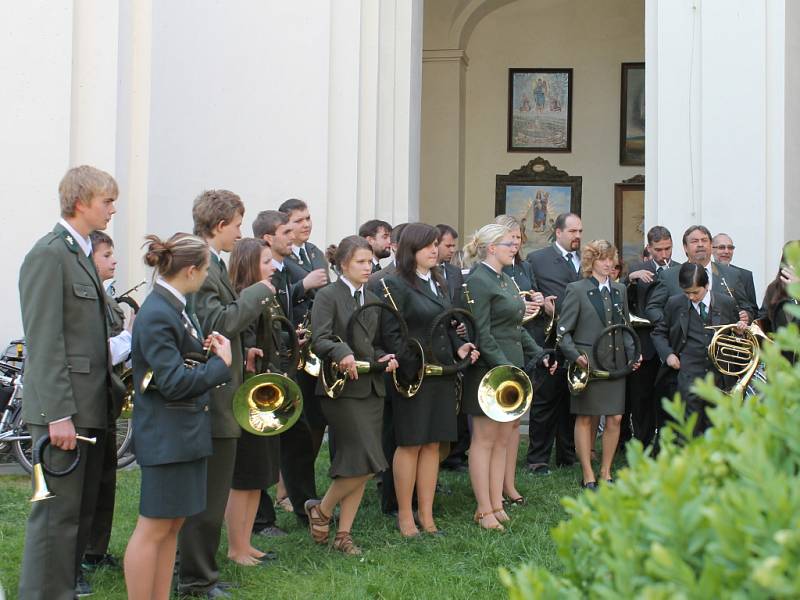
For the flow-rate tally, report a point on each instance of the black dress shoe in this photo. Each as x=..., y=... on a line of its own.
x=91, y=562
x=592, y=485
x=610, y=480
x=215, y=593
x=539, y=469
x=271, y=531
x=82, y=587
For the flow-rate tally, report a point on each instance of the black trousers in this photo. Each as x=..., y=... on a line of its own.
x=458, y=453
x=198, y=540
x=265, y=517
x=551, y=422
x=300, y=446
x=642, y=407
x=388, y=494
x=100, y=533
x=58, y=528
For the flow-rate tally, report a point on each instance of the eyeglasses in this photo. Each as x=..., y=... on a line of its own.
x=724, y=247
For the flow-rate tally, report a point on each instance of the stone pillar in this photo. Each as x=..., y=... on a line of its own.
x=442, y=169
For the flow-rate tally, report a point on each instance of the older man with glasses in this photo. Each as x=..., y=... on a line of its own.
x=722, y=248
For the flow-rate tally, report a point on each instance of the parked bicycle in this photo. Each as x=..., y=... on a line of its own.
x=14, y=436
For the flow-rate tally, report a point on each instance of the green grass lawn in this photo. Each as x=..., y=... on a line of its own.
x=462, y=564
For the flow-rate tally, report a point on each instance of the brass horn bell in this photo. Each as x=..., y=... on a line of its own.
x=267, y=404
x=578, y=377
x=40, y=491
x=505, y=393
x=736, y=355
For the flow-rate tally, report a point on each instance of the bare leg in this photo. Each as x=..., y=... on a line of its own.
x=339, y=489
x=143, y=554
x=484, y=434
x=510, y=479
x=404, y=468
x=497, y=469
x=166, y=563
x=350, y=503
x=427, y=473
x=610, y=441
x=236, y=517
x=584, y=440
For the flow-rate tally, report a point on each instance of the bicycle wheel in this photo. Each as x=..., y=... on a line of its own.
x=22, y=450
x=125, y=455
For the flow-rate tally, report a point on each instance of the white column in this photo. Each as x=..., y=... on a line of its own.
x=716, y=116
x=335, y=218
x=133, y=138
x=442, y=160
x=36, y=71
x=94, y=84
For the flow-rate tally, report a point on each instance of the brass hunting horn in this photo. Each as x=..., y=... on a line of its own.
x=333, y=380
x=40, y=491
x=736, y=354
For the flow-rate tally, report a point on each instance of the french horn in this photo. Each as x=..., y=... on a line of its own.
x=736, y=354
x=333, y=380
x=578, y=377
x=271, y=402
x=505, y=392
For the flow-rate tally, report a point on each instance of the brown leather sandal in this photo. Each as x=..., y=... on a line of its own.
x=318, y=521
x=479, y=517
x=343, y=542
x=501, y=511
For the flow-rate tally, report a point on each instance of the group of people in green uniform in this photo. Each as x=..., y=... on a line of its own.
x=195, y=338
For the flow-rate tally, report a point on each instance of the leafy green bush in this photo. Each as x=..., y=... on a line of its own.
x=715, y=517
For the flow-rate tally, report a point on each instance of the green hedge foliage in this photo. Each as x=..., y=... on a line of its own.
x=715, y=517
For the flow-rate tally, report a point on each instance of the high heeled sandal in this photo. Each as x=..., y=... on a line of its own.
x=319, y=523
x=343, y=542
x=501, y=511
x=479, y=517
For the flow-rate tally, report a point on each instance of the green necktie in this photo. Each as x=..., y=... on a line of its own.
x=304, y=256
x=357, y=297
x=703, y=312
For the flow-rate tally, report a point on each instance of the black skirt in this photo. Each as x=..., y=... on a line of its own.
x=257, y=462
x=429, y=416
x=173, y=490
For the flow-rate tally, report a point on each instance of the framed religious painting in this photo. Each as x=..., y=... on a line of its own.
x=629, y=231
x=631, y=117
x=536, y=194
x=540, y=110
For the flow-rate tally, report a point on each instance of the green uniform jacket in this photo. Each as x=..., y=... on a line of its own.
x=580, y=323
x=67, y=372
x=333, y=306
x=218, y=308
x=498, y=311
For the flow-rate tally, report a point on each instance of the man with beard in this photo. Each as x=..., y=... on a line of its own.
x=554, y=266
x=377, y=233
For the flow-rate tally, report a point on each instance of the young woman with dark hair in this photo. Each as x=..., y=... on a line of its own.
x=681, y=338
x=428, y=419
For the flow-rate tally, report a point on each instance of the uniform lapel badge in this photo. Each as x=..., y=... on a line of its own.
x=69, y=239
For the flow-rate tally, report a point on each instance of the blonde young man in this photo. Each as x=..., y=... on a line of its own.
x=67, y=380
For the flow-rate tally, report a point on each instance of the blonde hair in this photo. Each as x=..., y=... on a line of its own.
x=513, y=223
x=81, y=184
x=168, y=257
x=475, y=248
x=595, y=250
